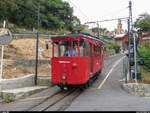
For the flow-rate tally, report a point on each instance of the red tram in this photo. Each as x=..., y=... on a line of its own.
x=76, y=58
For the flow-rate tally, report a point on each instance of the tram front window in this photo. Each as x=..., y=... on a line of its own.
x=75, y=48
x=65, y=48
x=56, y=49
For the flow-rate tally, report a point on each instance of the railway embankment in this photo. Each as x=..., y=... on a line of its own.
x=139, y=89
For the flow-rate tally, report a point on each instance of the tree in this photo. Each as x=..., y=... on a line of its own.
x=77, y=27
x=54, y=14
x=143, y=23
x=114, y=46
x=95, y=30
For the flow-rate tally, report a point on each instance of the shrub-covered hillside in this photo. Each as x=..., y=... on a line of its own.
x=54, y=14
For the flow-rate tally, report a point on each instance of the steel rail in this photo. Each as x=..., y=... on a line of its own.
x=59, y=99
x=52, y=100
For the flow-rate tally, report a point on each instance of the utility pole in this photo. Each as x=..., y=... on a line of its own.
x=129, y=34
x=37, y=46
x=132, y=45
x=135, y=65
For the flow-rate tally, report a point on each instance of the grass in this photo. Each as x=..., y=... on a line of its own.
x=145, y=77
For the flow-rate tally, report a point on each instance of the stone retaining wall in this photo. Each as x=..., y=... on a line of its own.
x=25, y=81
x=27, y=63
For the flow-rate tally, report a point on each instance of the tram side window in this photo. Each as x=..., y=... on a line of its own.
x=96, y=51
x=75, y=48
x=56, y=49
x=86, y=48
x=81, y=47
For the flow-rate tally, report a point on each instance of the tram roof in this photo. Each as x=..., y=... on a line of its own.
x=77, y=35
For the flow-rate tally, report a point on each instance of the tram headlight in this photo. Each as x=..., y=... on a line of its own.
x=64, y=77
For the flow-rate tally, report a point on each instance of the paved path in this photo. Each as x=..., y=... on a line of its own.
x=111, y=97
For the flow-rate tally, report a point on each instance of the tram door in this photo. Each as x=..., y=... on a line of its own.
x=90, y=58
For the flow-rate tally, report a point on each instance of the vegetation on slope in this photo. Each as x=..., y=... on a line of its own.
x=54, y=14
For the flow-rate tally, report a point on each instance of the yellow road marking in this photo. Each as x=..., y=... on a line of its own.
x=91, y=89
x=100, y=86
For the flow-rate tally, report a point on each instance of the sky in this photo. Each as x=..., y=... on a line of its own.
x=96, y=10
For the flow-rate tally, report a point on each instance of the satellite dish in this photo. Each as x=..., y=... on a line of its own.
x=5, y=36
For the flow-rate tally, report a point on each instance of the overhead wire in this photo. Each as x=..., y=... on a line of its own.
x=110, y=13
x=118, y=11
x=78, y=9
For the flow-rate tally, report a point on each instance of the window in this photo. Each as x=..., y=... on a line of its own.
x=65, y=48
x=86, y=48
x=81, y=47
x=56, y=49
x=75, y=48
x=96, y=51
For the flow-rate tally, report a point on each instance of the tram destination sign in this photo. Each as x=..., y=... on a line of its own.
x=5, y=36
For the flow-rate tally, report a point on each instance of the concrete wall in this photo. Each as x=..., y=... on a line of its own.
x=17, y=82
x=137, y=89
x=25, y=81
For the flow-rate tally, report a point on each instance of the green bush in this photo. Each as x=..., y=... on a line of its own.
x=144, y=51
x=114, y=46
x=9, y=97
x=117, y=48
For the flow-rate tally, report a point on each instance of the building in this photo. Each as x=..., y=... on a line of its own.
x=122, y=40
x=119, y=28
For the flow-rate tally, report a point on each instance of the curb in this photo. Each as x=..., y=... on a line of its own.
x=142, y=90
x=25, y=81
x=12, y=89
x=11, y=95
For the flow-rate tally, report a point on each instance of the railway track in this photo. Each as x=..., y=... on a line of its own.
x=58, y=101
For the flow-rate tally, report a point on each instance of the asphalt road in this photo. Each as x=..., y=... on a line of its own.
x=111, y=96
x=105, y=94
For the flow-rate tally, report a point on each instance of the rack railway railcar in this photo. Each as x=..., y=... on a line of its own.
x=76, y=58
